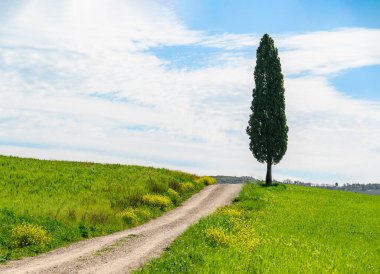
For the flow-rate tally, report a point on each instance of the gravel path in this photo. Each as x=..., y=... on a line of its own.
x=124, y=251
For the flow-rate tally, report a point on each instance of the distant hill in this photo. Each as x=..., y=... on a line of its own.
x=371, y=189
x=234, y=180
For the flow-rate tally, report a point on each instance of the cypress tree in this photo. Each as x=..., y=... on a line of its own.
x=267, y=129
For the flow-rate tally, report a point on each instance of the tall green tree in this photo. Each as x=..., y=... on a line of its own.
x=267, y=129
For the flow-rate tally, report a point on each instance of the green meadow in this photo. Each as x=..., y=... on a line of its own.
x=47, y=204
x=281, y=229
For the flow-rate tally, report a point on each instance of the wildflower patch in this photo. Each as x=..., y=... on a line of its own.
x=157, y=200
x=217, y=237
x=206, y=180
x=29, y=235
x=129, y=216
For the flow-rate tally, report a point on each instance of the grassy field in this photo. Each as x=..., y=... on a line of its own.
x=281, y=229
x=47, y=204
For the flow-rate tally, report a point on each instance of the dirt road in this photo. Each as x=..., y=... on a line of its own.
x=127, y=250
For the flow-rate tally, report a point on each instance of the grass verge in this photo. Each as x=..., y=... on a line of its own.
x=47, y=204
x=281, y=229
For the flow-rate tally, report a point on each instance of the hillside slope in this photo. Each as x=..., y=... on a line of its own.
x=281, y=229
x=47, y=204
x=124, y=251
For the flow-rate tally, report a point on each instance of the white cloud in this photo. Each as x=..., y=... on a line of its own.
x=78, y=84
x=231, y=41
x=328, y=52
x=331, y=133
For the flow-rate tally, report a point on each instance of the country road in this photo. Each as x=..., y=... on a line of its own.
x=127, y=250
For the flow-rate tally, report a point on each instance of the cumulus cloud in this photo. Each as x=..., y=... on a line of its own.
x=331, y=133
x=91, y=25
x=78, y=82
x=328, y=52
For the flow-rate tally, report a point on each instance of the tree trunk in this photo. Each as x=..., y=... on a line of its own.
x=268, y=180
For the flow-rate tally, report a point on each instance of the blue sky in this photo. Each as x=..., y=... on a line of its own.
x=360, y=83
x=168, y=83
x=276, y=16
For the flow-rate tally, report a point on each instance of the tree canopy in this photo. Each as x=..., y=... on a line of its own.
x=267, y=128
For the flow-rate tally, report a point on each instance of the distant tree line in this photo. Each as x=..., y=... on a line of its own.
x=367, y=188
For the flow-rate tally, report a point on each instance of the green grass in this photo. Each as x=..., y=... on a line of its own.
x=54, y=203
x=281, y=229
